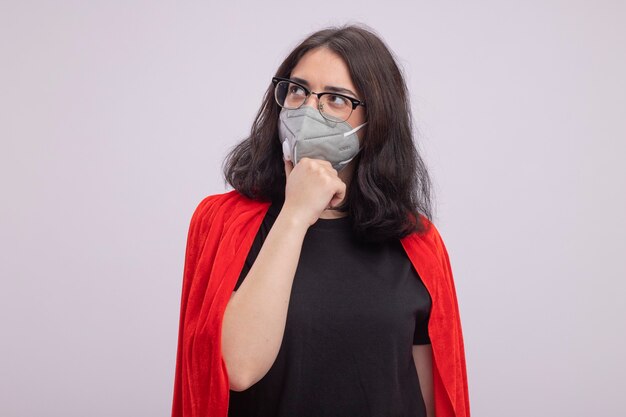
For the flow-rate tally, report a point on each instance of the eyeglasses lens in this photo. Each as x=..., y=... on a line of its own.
x=332, y=107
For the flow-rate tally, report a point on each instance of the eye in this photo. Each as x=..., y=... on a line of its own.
x=296, y=90
x=337, y=101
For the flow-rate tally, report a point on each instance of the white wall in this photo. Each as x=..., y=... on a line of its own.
x=115, y=117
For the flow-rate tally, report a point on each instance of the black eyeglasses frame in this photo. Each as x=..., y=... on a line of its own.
x=355, y=102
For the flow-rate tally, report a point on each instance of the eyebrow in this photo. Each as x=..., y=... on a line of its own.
x=328, y=88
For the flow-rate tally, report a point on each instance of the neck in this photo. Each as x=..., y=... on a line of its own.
x=332, y=214
x=344, y=175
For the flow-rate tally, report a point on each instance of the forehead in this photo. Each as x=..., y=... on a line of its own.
x=321, y=67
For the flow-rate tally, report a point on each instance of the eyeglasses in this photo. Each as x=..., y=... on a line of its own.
x=332, y=106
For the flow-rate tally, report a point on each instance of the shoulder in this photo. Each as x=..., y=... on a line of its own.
x=226, y=205
x=429, y=237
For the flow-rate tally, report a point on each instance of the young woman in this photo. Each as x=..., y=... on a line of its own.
x=319, y=286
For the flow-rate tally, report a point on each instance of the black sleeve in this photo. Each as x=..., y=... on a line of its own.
x=420, y=337
x=264, y=229
x=422, y=317
x=254, y=251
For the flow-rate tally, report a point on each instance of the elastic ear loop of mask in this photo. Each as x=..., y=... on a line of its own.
x=356, y=129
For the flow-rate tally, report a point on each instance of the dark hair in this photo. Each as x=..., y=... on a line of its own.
x=390, y=188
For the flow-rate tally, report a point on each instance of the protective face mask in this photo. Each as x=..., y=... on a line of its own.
x=304, y=132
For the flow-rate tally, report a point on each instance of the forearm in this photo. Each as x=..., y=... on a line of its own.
x=422, y=356
x=255, y=317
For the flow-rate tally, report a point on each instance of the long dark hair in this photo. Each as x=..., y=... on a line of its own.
x=390, y=188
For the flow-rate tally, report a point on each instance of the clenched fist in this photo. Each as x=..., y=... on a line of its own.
x=312, y=186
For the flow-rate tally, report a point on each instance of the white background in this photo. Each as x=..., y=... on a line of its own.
x=115, y=117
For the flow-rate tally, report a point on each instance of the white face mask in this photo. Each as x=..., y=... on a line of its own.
x=304, y=132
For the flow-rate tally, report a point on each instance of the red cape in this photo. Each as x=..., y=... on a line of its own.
x=221, y=233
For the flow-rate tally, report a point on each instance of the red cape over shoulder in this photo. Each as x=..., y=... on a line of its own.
x=221, y=233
